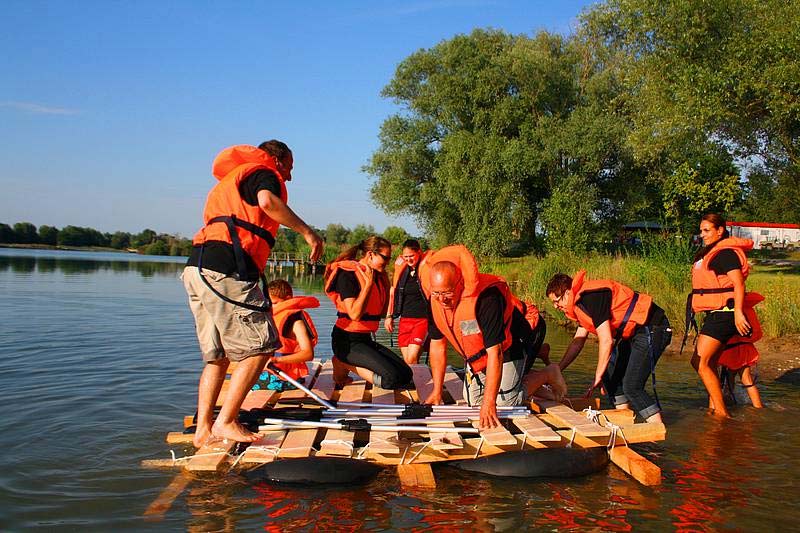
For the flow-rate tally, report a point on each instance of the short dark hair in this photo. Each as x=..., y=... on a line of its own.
x=280, y=288
x=558, y=285
x=413, y=244
x=276, y=148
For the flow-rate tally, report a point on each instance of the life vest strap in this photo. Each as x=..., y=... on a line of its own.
x=261, y=308
x=718, y=290
x=364, y=318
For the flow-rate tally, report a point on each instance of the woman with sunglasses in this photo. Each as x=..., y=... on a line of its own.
x=360, y=291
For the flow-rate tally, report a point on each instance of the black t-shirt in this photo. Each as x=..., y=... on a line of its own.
x=289, y=324
x=724, y=262
x=413, y=304
x=489, y=311
x=218, y=255
x=596, y=304
x=346, y=284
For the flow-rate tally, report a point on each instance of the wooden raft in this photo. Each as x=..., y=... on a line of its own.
x=550, y=425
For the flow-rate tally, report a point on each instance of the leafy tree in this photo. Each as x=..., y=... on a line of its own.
x=7, y=234
x=120, y=240
x=359, y=233
x=157, y=247
x=144, y=238
x=336, y=235
x=26, y=233
x=567, y=216
x=48, y=235
x=688, y=193
x=395, y=235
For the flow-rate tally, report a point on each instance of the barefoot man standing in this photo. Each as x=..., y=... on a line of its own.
x=233, y=317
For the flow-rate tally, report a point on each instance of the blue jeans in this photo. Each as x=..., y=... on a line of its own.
x=633, y=365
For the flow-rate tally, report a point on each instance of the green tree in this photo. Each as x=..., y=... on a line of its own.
x=26, y=233
x=157, y=247
x=336, y=235
x=7, y=234
x=144, y=238
x=395, y=235
x=120, y=240
x=48, y=235
x=359, y=233
x=567, y=216
x=689, y=192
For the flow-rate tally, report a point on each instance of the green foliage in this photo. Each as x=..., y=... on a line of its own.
x=157, y=247
x=26, y=233
x=395, y=235
x=689, y=192
x=336, y=235
x=567, y=215
x=48, y=235
x=143, y=239
x=359, y=233
x=79, y=236
x=120, y=240
x=7, y=234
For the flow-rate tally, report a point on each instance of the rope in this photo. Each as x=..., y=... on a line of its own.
x=478, y=450
x=424, y=445
x=572, y=438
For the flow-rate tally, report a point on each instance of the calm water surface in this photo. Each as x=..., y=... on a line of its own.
x=99, y=361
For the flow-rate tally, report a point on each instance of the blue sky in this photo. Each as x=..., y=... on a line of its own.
x=111, y=112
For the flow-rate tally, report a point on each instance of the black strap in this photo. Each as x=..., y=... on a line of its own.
x=231, y=221
x=261, y=308
x=364, y=318
x=652, y=354
x=718, y=290
x=690, y=322
x=625, y=319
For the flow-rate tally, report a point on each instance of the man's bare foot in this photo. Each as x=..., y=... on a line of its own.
x=233, y=431
x=201, y=436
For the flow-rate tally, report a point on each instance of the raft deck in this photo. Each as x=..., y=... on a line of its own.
x=548, y=425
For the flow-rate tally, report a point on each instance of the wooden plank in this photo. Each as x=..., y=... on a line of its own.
x=634, y=434
x=179, y=437
x=297, y=394
x=497, y=436
x=619, y=417
x=540, y=405
x=337, y=441
x=324, y=384
x=416, y=475
x=383, y=442
x=636, y=466
x=160, y=506
x=211, y=456
x=298, y=443
x=454, y=386
x=571, y=419
x=257, y=399
x=423, y=381
x=265, y=448
x=536, y=430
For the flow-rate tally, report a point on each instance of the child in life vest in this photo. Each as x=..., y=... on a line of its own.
x=296, y=332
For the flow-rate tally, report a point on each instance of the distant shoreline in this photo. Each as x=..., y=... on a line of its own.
x=67, y=248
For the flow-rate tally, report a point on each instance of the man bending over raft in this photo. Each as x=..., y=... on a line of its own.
x=233, y=317
x=486, y=324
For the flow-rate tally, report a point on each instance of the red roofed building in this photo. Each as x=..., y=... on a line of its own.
x=766, y=234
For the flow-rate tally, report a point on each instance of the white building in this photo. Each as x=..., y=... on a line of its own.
x=766, y=234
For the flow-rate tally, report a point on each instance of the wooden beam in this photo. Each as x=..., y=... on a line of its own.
x=338, y=441
x=636, y=466
x=298, y=443
x=497, y=436
x=423, y=381
x=265, y=449
x=383, y=442
x=257, y=399
x=536, y=430
x=572, y=419
x=416, y=475
x=211, y=456
x=454, y=386
x=160, y=506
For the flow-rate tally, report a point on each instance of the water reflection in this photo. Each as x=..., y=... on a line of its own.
x=72, y=266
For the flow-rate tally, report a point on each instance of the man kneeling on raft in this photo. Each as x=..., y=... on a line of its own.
x=485, y=323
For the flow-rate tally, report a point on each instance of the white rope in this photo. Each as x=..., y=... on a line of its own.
x=593, y=415
x=347, y=444
x=572, y=438
x=424, y=445
x=524, y=438
x=478, y=451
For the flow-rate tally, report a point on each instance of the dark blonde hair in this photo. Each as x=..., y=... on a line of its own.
x=280, y=288
x=370, y=244
x=718, y=222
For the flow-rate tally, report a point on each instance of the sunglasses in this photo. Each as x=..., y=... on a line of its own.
x=386, y=258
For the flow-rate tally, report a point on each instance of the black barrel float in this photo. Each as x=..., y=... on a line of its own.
x=316, y=470
x=545, y=462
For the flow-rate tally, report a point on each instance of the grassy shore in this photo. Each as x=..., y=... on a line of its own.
x=664, y=274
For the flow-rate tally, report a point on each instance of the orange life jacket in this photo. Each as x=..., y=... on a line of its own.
x=281, y=311
x=739, y=351
x=401, y=266
x=460, y=326
x=709, y=290
x=228, y=218
x=375, y=306
x=628, y=307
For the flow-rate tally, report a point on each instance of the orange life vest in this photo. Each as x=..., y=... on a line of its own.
x=228, y=218
x=460, y=326
x=739, y=351
x=401, y=266
x=709, y=290
x=375, y=306
x=625, y=302
x=281, y=311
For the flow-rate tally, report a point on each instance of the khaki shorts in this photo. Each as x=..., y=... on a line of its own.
x=225, y=329
x=511, y=393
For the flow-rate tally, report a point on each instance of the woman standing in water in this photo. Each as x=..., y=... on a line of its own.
x=360, y=291
x=718, y=288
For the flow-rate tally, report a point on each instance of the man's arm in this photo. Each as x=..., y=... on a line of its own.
x=606, y=344
x=283, y=214
x=437, y=358
x=574, y=348
x=494, y=373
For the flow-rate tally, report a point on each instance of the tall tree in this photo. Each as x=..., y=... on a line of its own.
x=26, y=233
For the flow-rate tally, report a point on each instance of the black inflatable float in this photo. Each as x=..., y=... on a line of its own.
x=316, y=470
x=546, y=462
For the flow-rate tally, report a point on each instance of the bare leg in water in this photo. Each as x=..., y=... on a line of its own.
x=704, y=361
x=748, y=382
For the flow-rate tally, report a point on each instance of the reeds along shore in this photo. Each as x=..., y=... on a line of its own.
x=661, y=271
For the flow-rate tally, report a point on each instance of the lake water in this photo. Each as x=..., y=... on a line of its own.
x=99, y=361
